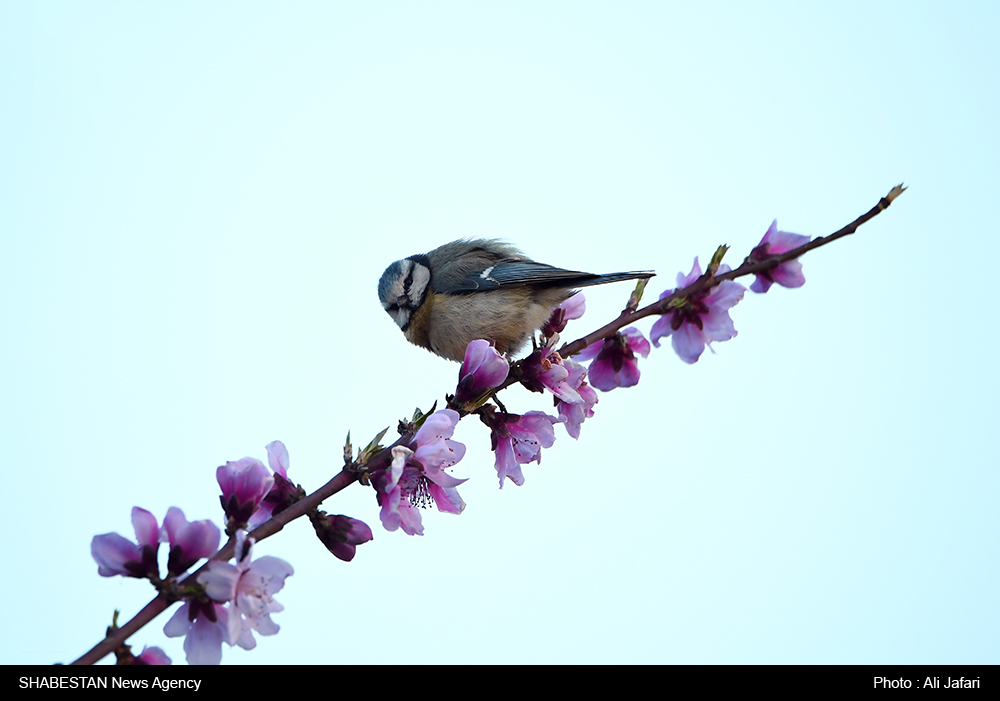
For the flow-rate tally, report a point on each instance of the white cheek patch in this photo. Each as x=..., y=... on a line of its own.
x=421, y=278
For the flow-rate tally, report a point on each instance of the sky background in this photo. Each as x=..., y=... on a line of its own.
x=197, y=201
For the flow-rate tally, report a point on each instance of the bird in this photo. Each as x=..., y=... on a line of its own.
x=478, y=289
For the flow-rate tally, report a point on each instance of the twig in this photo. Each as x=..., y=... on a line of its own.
x=708, y=280
x=155, y=607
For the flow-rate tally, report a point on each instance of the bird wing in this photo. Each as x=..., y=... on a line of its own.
x=519, y=273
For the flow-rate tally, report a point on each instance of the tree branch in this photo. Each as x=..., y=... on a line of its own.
x=709, y=280
x=355, y=470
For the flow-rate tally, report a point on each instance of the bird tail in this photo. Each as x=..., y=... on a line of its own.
x=614, y=277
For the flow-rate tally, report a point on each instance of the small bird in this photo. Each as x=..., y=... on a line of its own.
x=478, y=288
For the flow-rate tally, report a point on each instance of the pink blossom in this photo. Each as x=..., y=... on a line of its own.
x=615, y=363
x=148, y=656
x=282, y=493
x=342, y=535
x=117, y=555
x=789, y=273
x=703, y=318
x=401, y=491
x=205, y=625
x=151, y=656
x=416, y=477
x=575, y=306
x=249, y=588
x=573, y=414
x=572, y=308
x=244, y=484
x=518, y=440
x=406, y=488
x=189, y=541
x=483, y=368
x=545, y=369
x=435, y=450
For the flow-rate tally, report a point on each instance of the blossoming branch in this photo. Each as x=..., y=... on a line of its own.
x=226, y=603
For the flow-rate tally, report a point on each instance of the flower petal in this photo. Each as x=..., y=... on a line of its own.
x=602, y=376
x=203, y=644
x=440, y=424
x=220, y=580
x=447, y=500
x=112, y=552
x=661, y=329
x=277, y=458
x=575, y=306
x=146, y=529
x=688, y=342
x=782, y=241
x=725, y=296
x=789, y=274
x=637, y=343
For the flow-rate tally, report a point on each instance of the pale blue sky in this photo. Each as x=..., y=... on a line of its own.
x=197, y=200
